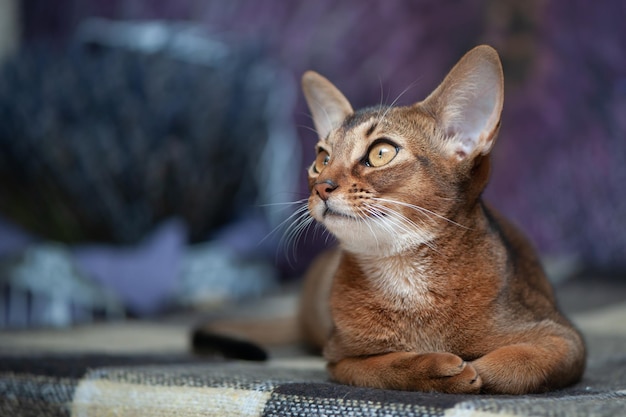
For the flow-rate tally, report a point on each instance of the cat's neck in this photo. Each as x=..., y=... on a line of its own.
x=441, y=240
x=364, y=246
x=402, y=277
x=414, y=272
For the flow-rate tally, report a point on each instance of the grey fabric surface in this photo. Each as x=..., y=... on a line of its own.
x=188, y=387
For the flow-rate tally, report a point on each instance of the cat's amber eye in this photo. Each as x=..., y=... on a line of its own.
x=380, y=154
x=321, y=161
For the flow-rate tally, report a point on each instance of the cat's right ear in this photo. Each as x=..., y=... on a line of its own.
x=468, y=103
x=328, y=106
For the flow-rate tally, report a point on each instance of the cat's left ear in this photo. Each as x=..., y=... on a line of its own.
x=328, y=106
x=468, y=103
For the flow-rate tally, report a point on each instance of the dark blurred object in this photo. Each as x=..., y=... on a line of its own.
x=136, y=140
x=135, y=124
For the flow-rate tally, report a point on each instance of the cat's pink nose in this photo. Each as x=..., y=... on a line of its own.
x=324, y=188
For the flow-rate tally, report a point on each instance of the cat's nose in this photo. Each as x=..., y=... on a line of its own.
x=324, y=188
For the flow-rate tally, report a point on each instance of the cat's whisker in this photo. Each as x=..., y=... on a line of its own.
x=381, y=105
x=290, y=242
x=398, y=223
x=382, y=220
x=326, y=115
x=404, y=223
x=309, y=128
x=393, y=103
x=292, y=231
x=328, y=235
x=379, y=219
x=386, y=215
x=421, y=210
x=297, y=222
x=317, y=229
x=363, y=219
x=290, y=219
x=396, y=214
x=286, y=203
x=308, y=116
x=424, y=239
x=382, y=92
x=299, y=225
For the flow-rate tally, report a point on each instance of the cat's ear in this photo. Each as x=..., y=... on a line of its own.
x=327, y=105
x=468, y=103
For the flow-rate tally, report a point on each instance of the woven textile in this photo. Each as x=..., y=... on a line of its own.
x=129, y=382
x=185, y=386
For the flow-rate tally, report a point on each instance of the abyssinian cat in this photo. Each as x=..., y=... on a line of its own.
x=430, y=289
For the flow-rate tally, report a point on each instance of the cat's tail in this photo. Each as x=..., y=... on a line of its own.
x=206, y=342
x=254, y=339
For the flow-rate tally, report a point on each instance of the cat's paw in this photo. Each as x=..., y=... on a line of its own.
x=409, y=371
x=446, y=372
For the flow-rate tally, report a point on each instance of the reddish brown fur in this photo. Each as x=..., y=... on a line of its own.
x=463, y=307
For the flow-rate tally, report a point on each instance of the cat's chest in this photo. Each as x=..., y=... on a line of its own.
x=390, y=306
x=400, y=283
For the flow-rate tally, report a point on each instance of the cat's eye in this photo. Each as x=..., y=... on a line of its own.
x=321, y=161
x=381, y=153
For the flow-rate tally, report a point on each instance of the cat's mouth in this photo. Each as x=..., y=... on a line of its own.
x=328, y=212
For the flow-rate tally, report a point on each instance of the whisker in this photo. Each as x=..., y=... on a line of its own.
x=293, y=229
x=286, y=203
x=326, y=115
x=399, y=221
x=421, y=209
x=293, y=234
x=364, y=221
x=307, y=128
x=381, y=106
x=290, y=218
x=393, y=103
x=397, y=215
x=328, y=235
x=296, y=223
x=382, y=91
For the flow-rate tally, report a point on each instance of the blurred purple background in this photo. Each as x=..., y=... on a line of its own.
x=560, y=168
x=560, y=164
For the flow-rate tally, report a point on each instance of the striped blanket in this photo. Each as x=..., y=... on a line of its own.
x=167, y=386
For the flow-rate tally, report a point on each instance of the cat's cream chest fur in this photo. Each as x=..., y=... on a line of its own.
x=400, y=279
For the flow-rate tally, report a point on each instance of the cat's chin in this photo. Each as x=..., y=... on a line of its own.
x=326, y=213
x=360, y=238
x=339, y=224
x=330, y=213
x=364, y=236
x=368, y=247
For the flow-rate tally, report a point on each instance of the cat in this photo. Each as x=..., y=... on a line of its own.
x=430, y=289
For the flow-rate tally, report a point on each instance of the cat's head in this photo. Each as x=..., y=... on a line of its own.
x=388, y=178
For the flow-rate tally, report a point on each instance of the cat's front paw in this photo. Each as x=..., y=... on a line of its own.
x=409, y=371
x=446, y=372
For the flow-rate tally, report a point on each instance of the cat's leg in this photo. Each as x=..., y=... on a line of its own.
x=545, y=364
x=442, y=372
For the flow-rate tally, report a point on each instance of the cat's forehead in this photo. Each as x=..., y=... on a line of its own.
x=369, y=116
x=366, y=125
x=356, y=127
x=349, y=141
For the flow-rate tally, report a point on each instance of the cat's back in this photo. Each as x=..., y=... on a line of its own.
x=525, y=276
